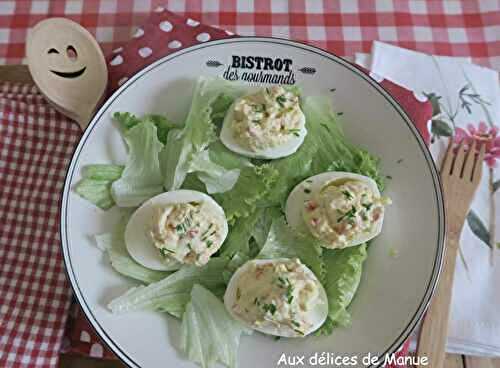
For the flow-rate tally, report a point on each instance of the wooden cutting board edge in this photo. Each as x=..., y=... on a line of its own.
x=15, y=74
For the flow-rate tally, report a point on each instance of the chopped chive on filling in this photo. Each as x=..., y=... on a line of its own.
x=307, y=190
x=295, y=132
x=271, y=308
x=259, y=108
x=281, y=281
x=284, y=282
x=208, y=229
x=281, y=100
x=289, y=292
x=347, y=194
x=367, y=206
x=164, y=252
x=348, y=215
x=205, y=235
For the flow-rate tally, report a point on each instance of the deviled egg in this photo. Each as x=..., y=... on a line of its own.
x=175, y=228
x=341, y=209
x=280, y=297
x=266, y=124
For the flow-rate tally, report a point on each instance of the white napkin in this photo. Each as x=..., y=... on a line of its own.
x=475, y=312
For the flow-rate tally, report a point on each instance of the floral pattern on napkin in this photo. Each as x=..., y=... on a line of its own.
x=466, y=105
x=444, y=125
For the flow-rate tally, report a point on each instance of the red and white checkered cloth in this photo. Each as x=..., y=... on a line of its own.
x=36, y=144
x=457, y=28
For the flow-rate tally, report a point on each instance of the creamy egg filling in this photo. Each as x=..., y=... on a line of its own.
x=276, y=295
x=267, y=118
x=342, y=210
x=187, y=232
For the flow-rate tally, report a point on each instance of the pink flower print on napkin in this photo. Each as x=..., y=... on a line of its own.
x=482, y=134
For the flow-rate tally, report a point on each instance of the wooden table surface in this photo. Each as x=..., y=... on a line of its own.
x=20, y=73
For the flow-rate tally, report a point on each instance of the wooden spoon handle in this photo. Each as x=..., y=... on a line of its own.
x=432, y=340
x=68, y=67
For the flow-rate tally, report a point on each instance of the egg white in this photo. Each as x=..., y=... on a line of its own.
x=137, y=238
x=295, y=202
x=286, y=149
x=317, y=315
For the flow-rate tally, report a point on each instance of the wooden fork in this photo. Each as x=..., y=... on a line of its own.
x=460, y=176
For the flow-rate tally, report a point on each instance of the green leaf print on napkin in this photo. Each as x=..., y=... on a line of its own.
x=441, y=128
x=496, y=185
x=478, y=228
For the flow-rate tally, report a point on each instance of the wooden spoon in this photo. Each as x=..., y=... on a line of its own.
x=68, y=67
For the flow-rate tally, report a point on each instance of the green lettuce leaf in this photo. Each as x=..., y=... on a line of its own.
x=199, y=130
x=238, y=259
x=343, y=274
x=253, y=187
x=217, y=168
x=128, y=120
x=114, y=245
x=260, y=231
x=172, y=293
x=102, y=172
x=95, y=185
x=335, y=152
x=142, y=177
x=214, y=177
x=222, y=156
x=238, y=238
x=325, y=148
x=217, y=178
x=362, y=163
x=284, y=242
x=175, y=159
x=192, y=182
x=209, y=334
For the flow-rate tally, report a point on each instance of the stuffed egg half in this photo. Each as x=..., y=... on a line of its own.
x=268, y=124
x=280, y=297
x=341, y=209
x=175, y=228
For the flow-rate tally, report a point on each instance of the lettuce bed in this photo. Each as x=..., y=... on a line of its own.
x=164, y=156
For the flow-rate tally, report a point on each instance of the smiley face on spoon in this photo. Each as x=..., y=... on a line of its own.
x=72, y=55
x=68, y=67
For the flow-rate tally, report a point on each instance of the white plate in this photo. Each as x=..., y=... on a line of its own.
x=394, y=292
